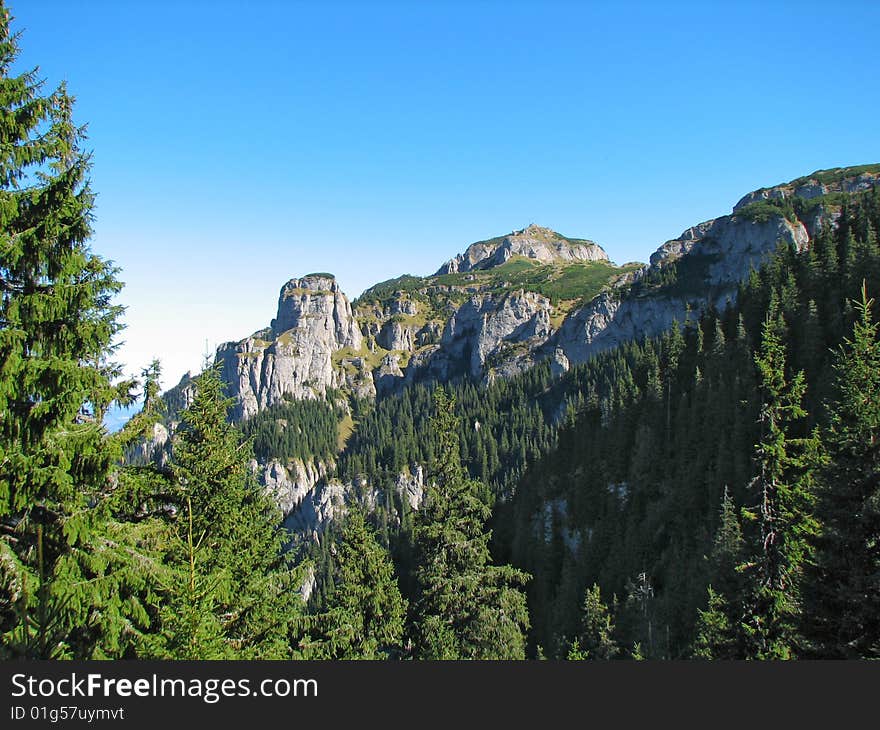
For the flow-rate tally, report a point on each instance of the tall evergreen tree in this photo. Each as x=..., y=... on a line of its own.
x=716, y=635
x=57, y=325
x=596, y=640
x=467, y=608
x=783, y=518
x=844, y=616
x=365, y=613
x=230, y=555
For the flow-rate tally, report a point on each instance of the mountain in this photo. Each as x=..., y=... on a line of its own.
x=510, y=302
x=533, y=242
x=489, y=314
x=492, y=317
x=622, y=455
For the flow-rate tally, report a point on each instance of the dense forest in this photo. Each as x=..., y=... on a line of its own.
x=654, y=483
x=710, y=493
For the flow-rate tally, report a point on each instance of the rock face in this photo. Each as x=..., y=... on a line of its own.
x=289, y=484
x=738, y=243
x=293, y=357
x=814, y=186
x=487, y=327
x=153, y=450
x=327, y=499
x=321, y=506
x=485, y=324
x=719, y=254
x=534, y=242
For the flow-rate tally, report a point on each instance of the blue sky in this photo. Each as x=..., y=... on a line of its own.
x=237, y=145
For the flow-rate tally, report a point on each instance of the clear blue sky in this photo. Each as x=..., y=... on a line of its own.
x=237, y=145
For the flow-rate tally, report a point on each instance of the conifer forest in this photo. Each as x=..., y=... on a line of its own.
x=705, y=486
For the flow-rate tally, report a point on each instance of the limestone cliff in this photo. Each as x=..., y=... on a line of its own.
x=712, y=258
x=533, y=242
x=510, y=302
x=846, y=180
x=293, y=356
x=497, y=309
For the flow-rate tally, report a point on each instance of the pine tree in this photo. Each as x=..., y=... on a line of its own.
x=714, y=631
x=57, y=326
x=364, y=614
x=716, y=636
x=190, y=610
x=467, y=608
x=783, y=515
x=231, y=535
x=597, y=630
x=844, y=617
x=727, y=549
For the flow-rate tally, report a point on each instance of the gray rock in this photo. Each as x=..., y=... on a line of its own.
x=320, y=506
x=153, y=450
x=489, y=326
x=388, y=376
x=730, y=247
x=559, y=363
x=411, y=487
x=810, y=187
x=289, y=484
x=534, y=242
x=308, y=584
x=314, y=321
x=395, y=336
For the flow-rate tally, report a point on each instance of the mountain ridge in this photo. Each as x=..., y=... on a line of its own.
x=533, y=242
x=490, y=323
x=509, y=302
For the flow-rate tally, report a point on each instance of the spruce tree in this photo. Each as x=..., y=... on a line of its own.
x=782, y=520
x=844, y=616
x=467, y=608
x=364, y=614
x=230, y=555
x=716, y=634
x=597, y=630
x=57, y=325
x=191, y=607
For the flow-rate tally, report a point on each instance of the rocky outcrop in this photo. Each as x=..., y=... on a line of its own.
x=559, y=363
x=738, y=243
x=713, y=258
x=321, y=505
x=609, y=321
x=154, y=449
x=396, y=336
x=388, y=376
x=534, y=242
x=310, y=506
x=294, y=356
x=411, y=486
x=485, y=326
x=290, y=483
x=486, y=329
x=813, y=186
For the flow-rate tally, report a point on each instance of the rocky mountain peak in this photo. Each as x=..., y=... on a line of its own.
x=533, y=242
x=536, y=232
x=293, y=356
x=494, y=322
x=311, y=282
x=817, y=184
x=313, y=294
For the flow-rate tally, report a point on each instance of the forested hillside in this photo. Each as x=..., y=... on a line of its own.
x=643, y=473
x=567, y=469
x=737, y=452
